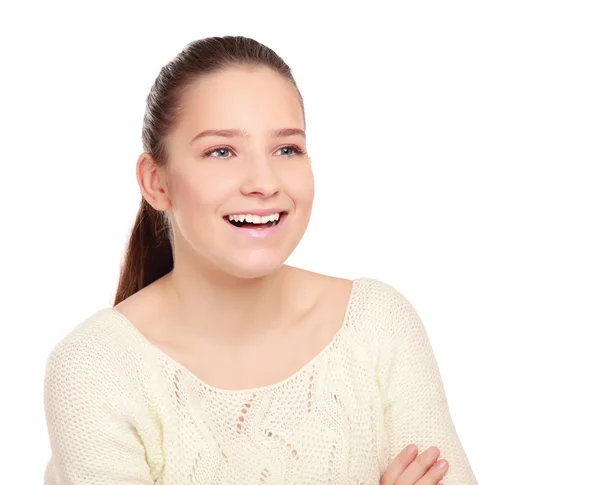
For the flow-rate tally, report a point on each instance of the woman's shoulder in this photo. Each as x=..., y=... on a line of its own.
x=370, y=299
x=381, y=311
x=95, y=400
x=378, y=298
x=367, y=293
x=100, y=344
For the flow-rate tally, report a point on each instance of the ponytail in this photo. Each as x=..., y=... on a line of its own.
x=149, y=255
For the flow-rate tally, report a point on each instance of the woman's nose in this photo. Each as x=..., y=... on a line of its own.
x=260, y=177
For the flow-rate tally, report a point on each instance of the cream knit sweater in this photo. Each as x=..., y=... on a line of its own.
x=120, y=411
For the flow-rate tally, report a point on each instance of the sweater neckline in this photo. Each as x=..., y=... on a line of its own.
x=121, y=318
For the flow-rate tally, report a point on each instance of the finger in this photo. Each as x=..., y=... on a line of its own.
x=419, y=468
x=398, y=465
x=434, y=474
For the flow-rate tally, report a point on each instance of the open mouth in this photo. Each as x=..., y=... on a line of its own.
x=255, y=225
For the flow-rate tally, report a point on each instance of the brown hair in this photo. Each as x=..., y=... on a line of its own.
x=149, y=252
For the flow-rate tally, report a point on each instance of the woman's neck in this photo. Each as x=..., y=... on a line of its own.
x=223, y=308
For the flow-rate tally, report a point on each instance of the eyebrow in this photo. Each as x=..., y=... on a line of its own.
x=234, y=132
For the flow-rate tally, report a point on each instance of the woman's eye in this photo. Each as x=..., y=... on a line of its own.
x=290, y=150
x=219, y=151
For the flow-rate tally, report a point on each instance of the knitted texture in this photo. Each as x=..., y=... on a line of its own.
x=120, y=411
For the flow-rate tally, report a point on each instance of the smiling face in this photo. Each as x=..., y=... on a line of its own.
x=238, y=148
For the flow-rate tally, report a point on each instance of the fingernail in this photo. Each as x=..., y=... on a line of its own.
x=411, y=449
x=432, y=452
x=441, y=464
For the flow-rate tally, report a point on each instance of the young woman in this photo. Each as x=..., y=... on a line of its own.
x=218, y=363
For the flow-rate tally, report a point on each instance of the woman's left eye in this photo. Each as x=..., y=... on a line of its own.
x=291, y=150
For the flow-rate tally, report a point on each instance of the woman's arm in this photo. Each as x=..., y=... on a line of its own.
x=91, y=412
x=416, y=409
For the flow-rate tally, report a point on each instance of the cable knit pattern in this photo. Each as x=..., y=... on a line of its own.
x=121, y=412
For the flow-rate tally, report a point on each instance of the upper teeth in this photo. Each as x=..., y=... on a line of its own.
x=254, y=219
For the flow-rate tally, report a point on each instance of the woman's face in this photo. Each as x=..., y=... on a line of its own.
x=257, y=164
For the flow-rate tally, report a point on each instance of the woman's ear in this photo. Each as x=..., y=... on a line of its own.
x=152, y=180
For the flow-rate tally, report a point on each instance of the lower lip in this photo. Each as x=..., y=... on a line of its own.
x=260, y=233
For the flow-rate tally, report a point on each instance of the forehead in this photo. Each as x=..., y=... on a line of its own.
x=256, y=99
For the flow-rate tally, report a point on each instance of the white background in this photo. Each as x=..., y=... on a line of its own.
x=455, y=147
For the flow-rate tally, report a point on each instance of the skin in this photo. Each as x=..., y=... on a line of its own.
x=263, y=307
x=276, y=306
x=409, y=469
x=198, y=187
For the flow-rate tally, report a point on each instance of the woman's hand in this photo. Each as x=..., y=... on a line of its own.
x=405, y=470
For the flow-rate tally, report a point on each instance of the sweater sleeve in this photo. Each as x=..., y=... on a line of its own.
x=91, y=404
x=415, y=405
